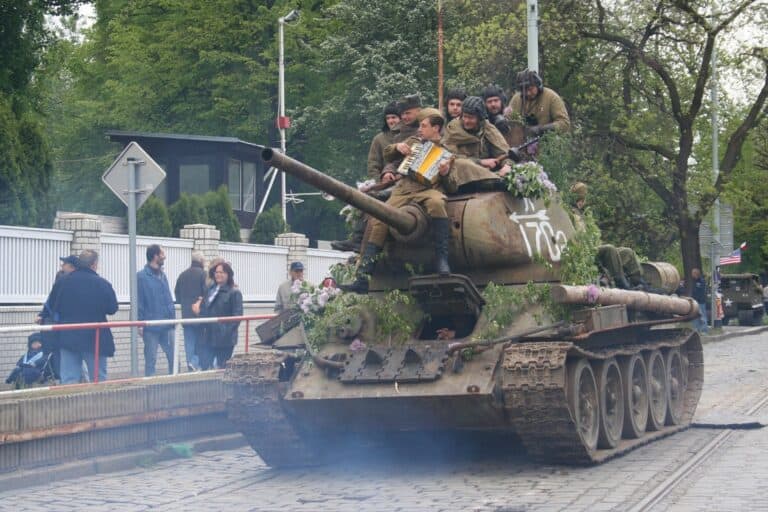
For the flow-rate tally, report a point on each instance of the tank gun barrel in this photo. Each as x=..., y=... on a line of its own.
x=402, y=221
x=642, y=301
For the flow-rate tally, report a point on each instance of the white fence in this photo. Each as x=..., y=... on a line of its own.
x=30, y=259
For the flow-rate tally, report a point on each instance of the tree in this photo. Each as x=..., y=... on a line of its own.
x=663, y=52
x=189, y=209
x=267, y=226
x=152, y=218
x=220, y=214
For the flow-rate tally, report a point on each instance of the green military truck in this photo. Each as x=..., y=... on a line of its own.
x=742, y=298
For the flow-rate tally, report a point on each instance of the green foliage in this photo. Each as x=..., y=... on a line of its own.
x=219, y=212
x=529, y=180
x=152, y=219
x=268, y=225
x=577, y=265
x=504, y=304
x=189, y=209
x=343, y=273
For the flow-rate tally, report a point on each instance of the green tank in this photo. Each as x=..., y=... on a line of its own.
x=575, y=389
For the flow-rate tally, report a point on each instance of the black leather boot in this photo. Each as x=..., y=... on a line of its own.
x=441, y=232
x=355, y=238
x=367, y=263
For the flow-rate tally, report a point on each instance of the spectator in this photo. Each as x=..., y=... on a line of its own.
x=155, y=303
x=190, y=287
x=223, y=298
x=83, y=297
x=699, y=294
x=29, y=369
x=45, y=316
x=286, y=293
x=328, y=282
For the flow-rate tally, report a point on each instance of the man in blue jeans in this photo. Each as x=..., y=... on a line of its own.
x=699, y=294
x=190, y=286
x=155, y=303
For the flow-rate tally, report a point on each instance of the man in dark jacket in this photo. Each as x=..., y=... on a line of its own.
x=190, y=287
x=155, y=303
x=82, y=297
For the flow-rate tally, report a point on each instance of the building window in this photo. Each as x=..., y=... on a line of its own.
x=194, y=178
x=249, y=186
x=233, y=184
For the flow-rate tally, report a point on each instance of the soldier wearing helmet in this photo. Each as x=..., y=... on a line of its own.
x=382, y=140
x=495, y=100
x=480, y=149
x=453, y=100
x=539, y=107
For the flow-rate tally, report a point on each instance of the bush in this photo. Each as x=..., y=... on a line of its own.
x=189, y=209
x=152, y=219
x=268, y=225
x=220, y=214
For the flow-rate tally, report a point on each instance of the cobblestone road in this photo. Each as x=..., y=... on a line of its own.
x=734, y=478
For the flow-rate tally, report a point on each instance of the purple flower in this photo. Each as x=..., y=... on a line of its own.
x=357, y=345
x=322, y=298
x=593, y=293
x=296, y=286
x=549, y=185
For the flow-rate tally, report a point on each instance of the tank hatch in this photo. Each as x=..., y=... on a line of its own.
x=451, y=302
x=411, y=363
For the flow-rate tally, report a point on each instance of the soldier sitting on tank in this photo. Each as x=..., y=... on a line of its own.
x=453, y=100
x=410, y=191
x=540, y=108
x=480, y=149
x=619, y=265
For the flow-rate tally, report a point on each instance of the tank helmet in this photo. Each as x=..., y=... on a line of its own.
x=579, y=190
x=409, y=102
x=475, y=106
x=528, y=77
x=494, y=91
x=391, y=109
x=455, y=94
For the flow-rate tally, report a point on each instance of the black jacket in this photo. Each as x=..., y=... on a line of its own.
x=189, y=286
x=228, y=302
x=83, y=297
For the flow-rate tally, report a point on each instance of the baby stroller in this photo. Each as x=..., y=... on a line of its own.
x=33, y=368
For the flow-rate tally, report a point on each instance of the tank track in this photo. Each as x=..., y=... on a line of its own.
x=534, y=377
x=254, y=406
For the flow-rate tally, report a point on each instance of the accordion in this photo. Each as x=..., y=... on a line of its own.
x=424, y=161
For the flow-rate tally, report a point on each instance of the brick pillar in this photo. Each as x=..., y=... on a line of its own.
x=205, y=238
x=86, y=231
x=297, y=245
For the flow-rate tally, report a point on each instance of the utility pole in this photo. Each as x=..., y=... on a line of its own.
x=716, y=238
x=532, y=14
x=440, y=85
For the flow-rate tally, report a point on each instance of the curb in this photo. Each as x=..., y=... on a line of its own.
x=118, y=462
x=734, y=334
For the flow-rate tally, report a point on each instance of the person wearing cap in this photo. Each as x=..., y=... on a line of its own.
x=481, y=150
x=286, y=293
x=383, y=139
x=495, y=99
x=431, y=197
x=453, y=100
x=540, y=108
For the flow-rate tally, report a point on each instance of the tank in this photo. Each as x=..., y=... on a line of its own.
x=742, y=299
x=581, y=376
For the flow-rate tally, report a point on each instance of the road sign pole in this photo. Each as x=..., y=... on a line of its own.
x=134, y=285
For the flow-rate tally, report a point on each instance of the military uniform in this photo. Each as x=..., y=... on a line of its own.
x=470, y=148
x=376, y=153
x=548, y=107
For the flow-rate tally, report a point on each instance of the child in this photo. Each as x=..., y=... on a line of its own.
x=29, y=369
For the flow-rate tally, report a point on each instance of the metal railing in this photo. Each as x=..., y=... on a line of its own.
x=97, y=326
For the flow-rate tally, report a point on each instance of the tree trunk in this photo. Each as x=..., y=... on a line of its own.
x=689, y=246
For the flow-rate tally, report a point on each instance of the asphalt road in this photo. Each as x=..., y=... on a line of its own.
x=457, y=478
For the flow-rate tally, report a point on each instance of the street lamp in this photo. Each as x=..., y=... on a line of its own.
x=282, y=121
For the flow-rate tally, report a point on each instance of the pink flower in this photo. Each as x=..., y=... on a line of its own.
x=296, y=286
x=593, y=293
x=357, y=345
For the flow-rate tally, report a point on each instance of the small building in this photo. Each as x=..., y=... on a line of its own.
x=196, y=164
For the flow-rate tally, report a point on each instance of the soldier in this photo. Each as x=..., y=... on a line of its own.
x=453, y=100
x=375, y=166
x=495, y=99
x=621, y=265
x=540, y=108
x=410, y=191
x=481, y=151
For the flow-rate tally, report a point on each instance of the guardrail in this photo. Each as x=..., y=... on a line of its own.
x=97, y=326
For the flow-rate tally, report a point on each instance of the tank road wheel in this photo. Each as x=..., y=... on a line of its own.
x=657, y=390
x=635, y=382
x=677, y=383
x=611, y=394
x=584, y=401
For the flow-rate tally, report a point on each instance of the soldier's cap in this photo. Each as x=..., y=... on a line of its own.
x=409, y=102
x=297, y=265
x=579, y=189
x=71, y=259
x=428, y=112
x=391, y=109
